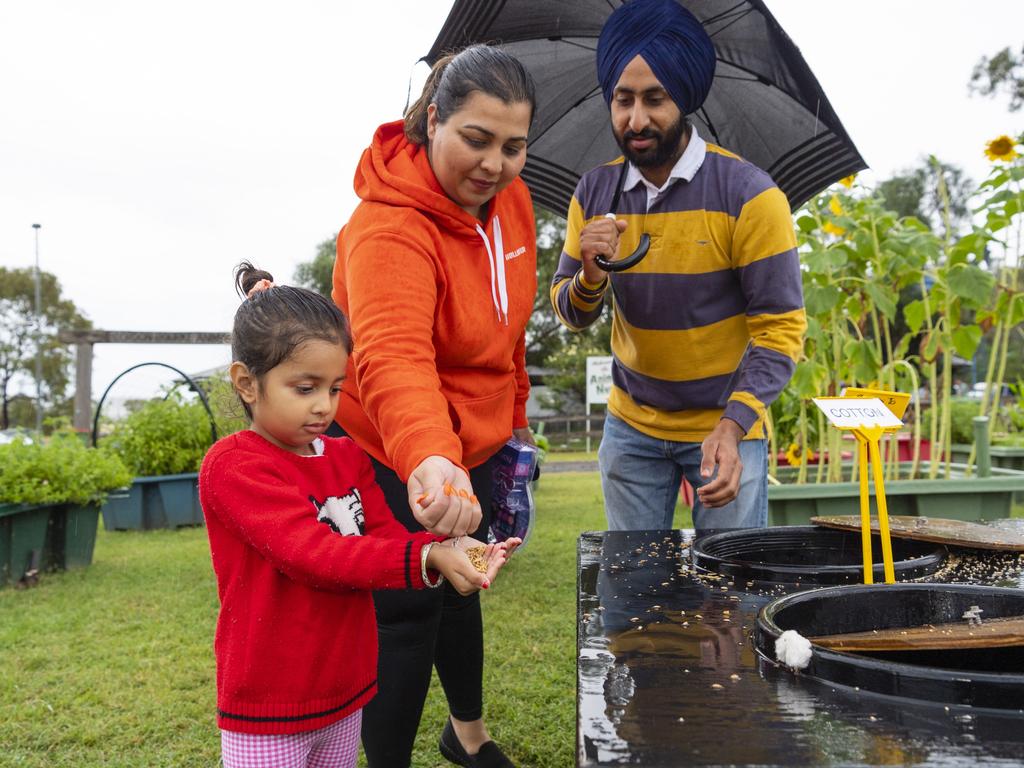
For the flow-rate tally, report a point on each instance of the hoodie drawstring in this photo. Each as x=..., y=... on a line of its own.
x=496, y=261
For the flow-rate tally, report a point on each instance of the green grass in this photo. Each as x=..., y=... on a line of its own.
x=571, y=456
x=113, y=665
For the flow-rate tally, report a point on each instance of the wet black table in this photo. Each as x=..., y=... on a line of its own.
x=667, y=676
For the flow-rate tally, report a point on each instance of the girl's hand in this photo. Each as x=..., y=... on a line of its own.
x=450, y=558
x=441, y=498
x=511, y=544
x=494, y=556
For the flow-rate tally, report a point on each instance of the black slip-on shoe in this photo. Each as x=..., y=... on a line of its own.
x=489, y=756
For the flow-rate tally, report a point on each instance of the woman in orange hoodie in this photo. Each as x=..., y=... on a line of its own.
x=437, y=272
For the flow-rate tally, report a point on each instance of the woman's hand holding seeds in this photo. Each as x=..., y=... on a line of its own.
x=441, y=498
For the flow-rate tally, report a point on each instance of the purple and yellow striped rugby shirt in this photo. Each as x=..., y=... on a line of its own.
x=711, y=322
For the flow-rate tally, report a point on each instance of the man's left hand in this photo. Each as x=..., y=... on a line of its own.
x=722, y=449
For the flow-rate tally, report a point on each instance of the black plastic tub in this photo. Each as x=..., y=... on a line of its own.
x=986, y=678
x=809, y=554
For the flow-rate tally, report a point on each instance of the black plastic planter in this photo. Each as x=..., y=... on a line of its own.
x=987, y=678
x=809, y=554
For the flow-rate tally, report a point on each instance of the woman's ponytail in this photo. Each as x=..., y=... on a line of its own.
x=416, y=115
x=455, y=76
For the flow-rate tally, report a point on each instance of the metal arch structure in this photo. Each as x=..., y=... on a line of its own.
x=195, y=387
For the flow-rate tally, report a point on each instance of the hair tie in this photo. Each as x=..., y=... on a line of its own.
x=261, y=285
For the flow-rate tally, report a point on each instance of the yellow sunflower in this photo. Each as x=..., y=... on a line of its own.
x=835, y=206
x=794, y=455
x=847, y=181
x=1001, y=148
x=834, y=229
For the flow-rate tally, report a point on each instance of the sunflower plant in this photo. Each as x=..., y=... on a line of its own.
x=859, y=260
x=1000, y=238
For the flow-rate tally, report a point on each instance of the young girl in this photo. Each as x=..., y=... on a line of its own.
x=300, y=535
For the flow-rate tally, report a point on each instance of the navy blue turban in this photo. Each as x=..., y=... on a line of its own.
x=671, y=40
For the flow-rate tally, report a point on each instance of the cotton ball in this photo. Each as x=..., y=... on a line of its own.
x=793, y=649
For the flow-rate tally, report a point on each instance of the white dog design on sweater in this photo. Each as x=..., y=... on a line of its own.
x=343, y=513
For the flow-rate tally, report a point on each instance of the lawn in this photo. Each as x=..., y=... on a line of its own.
x=113, y=665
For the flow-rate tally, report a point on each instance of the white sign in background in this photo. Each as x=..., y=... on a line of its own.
x=850, y=413
x=599, y=380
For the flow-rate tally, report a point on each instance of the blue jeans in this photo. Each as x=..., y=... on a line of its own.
x=641, y=475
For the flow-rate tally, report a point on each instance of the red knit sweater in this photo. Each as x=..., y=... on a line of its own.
x=297, y=544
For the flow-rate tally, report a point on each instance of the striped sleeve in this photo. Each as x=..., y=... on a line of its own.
x=766, y=262
x=576, y=303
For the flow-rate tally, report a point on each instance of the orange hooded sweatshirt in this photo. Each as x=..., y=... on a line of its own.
x=438, y=302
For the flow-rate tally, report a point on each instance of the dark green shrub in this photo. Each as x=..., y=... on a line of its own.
x=63, y=469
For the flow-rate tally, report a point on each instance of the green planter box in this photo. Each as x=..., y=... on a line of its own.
x=23, y=535
x=959, y=498
x=1005, y=456
x=72, y=536
x=163, y=501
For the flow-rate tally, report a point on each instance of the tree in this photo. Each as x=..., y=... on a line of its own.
x=916, y=192
x=1002, y=72
x=549, y=343
x=318, y=274
x=19, y=342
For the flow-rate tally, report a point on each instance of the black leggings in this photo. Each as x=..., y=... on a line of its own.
x=418, y=630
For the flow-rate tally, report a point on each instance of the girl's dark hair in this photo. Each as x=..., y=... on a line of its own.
x=271, y=323
x=456, y=75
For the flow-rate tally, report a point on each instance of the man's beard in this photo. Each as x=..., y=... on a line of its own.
x=665, y=148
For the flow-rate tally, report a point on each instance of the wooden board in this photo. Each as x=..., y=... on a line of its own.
x=992, y=633
x=954, y=532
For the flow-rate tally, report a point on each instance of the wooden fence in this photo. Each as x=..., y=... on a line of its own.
x=570, y=433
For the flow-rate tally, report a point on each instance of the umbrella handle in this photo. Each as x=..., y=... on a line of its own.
x=620, y=265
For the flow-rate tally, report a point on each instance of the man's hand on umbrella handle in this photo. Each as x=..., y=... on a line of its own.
x=599, y=238
x=721, y=449
x=441, y=498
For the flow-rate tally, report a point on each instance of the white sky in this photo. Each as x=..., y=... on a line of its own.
x=160, y=143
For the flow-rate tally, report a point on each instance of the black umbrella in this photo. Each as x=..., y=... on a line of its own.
x=765, y=103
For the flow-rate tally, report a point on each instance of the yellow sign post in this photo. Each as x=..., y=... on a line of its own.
x=867, y=418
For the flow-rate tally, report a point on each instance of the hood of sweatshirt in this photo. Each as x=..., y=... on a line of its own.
x=439, y=302
x=395, y=171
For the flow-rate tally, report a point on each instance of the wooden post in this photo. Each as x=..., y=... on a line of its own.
x=84, y=340
x=83, y=388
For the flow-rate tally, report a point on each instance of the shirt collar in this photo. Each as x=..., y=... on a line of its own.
x=686, y=166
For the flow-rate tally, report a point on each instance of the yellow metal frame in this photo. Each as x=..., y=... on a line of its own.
x=868, y=447
x=868, y=439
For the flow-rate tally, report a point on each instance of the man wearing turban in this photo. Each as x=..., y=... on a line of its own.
x=707, y=328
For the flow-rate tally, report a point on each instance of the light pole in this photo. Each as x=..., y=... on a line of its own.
x=39, y=341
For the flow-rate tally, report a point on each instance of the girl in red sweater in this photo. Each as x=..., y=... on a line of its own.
x=299, y=536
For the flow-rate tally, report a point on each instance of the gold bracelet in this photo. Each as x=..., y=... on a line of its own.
x=423, y=567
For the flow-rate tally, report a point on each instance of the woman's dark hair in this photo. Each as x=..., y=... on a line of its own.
x=271, y=323
x=456, y=75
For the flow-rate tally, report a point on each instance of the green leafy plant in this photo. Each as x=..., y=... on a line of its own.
x=163, y=437
x=61, y=470
x=962, y=413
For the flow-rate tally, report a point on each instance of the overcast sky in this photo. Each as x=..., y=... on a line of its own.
x=160, y=143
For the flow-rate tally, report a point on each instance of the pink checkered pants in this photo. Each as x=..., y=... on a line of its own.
x=334, y=746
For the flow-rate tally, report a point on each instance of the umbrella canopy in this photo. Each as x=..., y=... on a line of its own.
x=765, y=103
